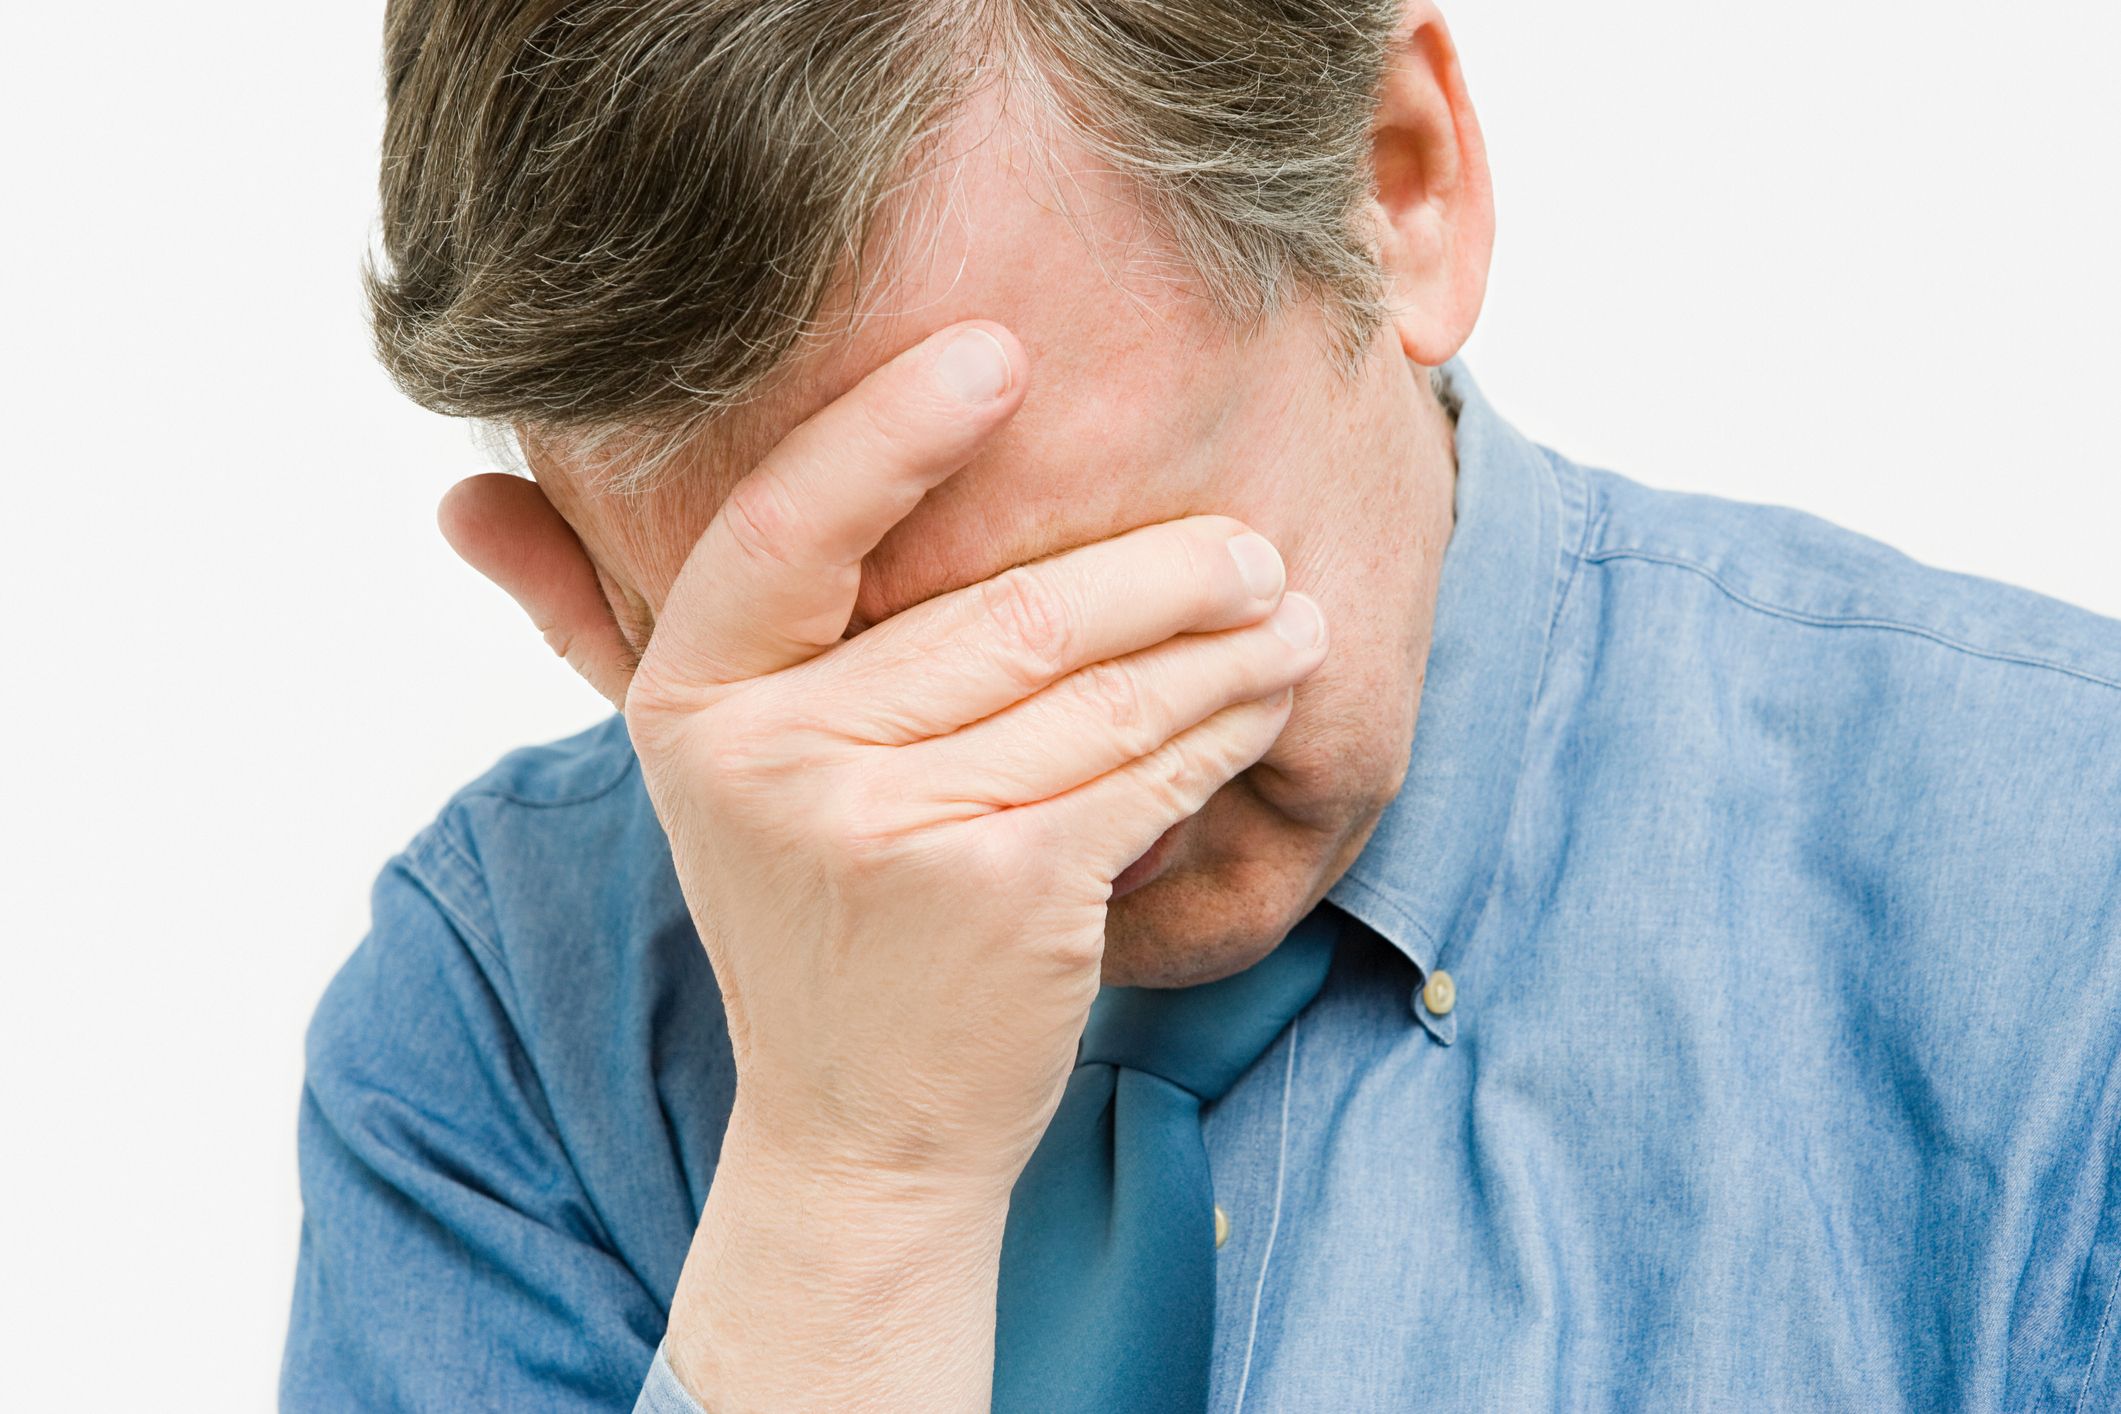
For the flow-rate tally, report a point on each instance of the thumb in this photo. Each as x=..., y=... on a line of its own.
x=504, y=528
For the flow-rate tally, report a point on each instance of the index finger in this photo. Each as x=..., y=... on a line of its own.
x=772, y=580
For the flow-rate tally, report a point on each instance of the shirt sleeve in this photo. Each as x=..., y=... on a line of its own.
x=450, y=1259
x=663, y=1394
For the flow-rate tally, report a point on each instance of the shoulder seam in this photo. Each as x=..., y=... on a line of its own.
x=1851, y=621
x=495, y=975
x=459, y=914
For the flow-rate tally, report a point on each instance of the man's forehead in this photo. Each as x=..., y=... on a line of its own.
x=1063, y=260
x=1129, y=373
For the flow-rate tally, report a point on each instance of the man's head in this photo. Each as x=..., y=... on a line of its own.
x=1231, y=236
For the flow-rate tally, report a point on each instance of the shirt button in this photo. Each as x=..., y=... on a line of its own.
x=1222, y=1225
x=1441, y=994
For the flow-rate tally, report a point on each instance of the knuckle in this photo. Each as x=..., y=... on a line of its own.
x=1115, y=696
x=1171, y=775
x=1023, y=853
x=859, y=826
x=1036, y=636
x=760, y=520
x=1008, y=855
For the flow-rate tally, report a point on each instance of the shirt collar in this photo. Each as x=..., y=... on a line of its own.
x=1425, y=872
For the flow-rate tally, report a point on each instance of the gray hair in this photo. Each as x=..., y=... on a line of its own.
x=605, y=222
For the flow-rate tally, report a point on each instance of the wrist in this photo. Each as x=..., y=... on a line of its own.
x=867, y=1165
x=819, y=1281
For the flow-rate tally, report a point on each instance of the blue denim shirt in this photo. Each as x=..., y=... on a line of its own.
x=1779, y=876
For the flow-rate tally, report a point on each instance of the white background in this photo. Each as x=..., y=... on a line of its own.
x=1856, y=257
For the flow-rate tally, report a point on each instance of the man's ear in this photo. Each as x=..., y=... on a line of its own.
x=505, y=528
x=1434, y=209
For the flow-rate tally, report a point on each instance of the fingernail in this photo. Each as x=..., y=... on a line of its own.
x=973, y=366
x=1298, y=623
x=1258, y=564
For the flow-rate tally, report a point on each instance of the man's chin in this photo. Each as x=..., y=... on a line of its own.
x=1191, y=925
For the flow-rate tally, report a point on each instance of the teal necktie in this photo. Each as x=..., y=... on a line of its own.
x=1107, y=1296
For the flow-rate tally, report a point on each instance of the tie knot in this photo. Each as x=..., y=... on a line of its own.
x=1202, y=1038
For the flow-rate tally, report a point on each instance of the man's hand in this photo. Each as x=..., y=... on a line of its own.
x=898, y=848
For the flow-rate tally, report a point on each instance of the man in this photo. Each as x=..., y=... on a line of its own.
x=1156, y=854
